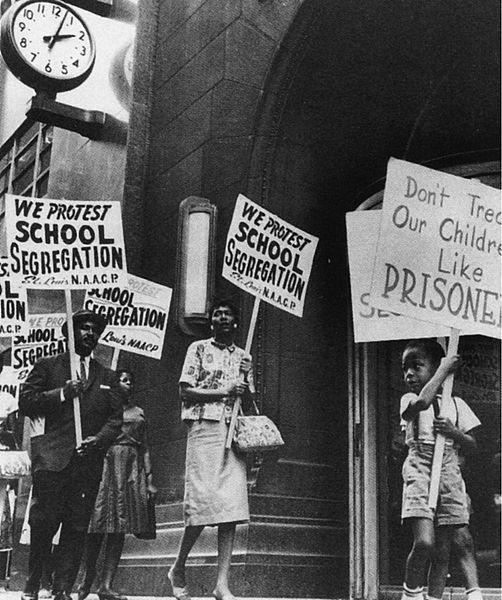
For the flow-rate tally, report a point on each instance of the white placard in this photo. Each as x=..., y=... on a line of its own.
x=136, y=315
x=44, y=338
x=268, y=257
x=64, y=244
x=9, y=382
x=438, y=256
x=374, y=324
x=13, y=303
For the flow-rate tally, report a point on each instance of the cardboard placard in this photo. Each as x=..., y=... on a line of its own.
x=13, y=303
x=438, y=255
x=374, y=324
x=268, y=257
x=44, y=338
x=136, y=315
x=64, y=244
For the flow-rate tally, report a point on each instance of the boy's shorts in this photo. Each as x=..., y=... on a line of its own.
x=452, y=507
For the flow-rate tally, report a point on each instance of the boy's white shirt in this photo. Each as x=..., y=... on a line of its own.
x=465, y=420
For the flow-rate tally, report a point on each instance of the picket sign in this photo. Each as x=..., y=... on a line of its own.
x=437, y=458
x=249, y=343
x=270, y=259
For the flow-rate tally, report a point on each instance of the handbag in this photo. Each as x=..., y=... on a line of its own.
x=150, y=532
x=14, y=463
x=256, y=433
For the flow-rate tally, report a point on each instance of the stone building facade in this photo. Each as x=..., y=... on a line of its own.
x=298, y=105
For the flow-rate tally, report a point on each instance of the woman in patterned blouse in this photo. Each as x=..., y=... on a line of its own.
x=214, y=374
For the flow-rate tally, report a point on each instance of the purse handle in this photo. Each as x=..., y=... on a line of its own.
x=255, y=406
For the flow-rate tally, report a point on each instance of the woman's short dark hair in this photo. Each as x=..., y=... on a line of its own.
x=430, y=347
x=217, y=303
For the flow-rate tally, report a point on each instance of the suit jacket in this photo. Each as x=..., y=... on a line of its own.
x=100, y=411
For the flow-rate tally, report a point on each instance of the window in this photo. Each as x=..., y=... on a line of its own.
x=24, y=166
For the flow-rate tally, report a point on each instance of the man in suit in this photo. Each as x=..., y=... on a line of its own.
x=66, y=478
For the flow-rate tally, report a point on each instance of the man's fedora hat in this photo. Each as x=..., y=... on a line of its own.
x=86, y=315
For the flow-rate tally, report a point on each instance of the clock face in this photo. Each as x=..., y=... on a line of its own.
x=47, y=44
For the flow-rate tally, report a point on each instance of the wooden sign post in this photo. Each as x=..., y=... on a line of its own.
x=74, y=370
x=249, y=342
x=437, y=458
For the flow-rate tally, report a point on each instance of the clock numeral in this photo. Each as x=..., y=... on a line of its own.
x=41, y=8
x=75, y=64
x=23, y=42
x=48, y=68
x=83, y=52
x=22, y=25
x=70, y=20
x=81, y=35
x=34, y=56
x=64, y=70
x=56, y=10
x=28, y=13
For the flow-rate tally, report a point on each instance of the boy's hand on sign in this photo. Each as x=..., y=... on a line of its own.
x=445, y=427
x=450, y=363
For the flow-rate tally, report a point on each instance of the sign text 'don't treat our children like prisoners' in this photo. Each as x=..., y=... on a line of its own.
x=439, y=249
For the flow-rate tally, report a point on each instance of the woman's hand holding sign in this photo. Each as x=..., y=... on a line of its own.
x=237, y=388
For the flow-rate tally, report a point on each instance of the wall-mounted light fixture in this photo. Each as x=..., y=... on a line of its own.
x=195, y=263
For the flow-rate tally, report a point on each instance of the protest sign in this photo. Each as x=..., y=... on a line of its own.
x=374, y=324
x=268, y=257
x=136, y=315
x=64, y=244
x=9, y=382
x=13, y=304
x=439, y=249
x=44, y=338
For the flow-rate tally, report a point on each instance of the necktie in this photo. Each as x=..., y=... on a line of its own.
x=83, y=374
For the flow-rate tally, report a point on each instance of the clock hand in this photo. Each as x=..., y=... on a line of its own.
x=62, y=36
x=53, y=40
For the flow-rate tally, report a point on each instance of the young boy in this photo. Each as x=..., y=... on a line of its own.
x=425, y=368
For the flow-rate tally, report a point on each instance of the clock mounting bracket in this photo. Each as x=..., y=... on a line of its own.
x=44, y=107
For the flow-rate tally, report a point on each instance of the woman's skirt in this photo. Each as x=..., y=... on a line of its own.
x=215, y=478
x=121, y=503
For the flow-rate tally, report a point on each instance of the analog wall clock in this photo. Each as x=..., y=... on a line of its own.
x=47, y=45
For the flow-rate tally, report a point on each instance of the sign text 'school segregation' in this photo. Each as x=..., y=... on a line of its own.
x=267, y=257
x=136, y=315
x=374, y=324
x=439, y=250
x=13, y=304
x=44, y=338
x=55, y=244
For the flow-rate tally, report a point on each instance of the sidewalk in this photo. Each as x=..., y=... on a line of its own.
x=13, y=595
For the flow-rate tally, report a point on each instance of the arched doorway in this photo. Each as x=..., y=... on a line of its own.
x=351, y=87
